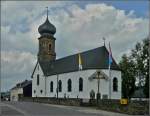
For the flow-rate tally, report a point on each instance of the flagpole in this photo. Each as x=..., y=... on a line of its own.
x=110, y=62
x=109, y=82
x=80, y=62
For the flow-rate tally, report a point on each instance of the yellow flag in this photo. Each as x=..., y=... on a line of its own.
x=80, y=62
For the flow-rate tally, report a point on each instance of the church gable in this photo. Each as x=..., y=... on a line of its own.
x=37, y=69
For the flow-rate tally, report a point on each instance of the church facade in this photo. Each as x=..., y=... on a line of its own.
x=83, y=75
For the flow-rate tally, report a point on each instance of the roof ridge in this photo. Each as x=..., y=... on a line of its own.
x=80, y=53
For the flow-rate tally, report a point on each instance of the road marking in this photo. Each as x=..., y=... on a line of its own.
x=58, y=106
x=15, y=108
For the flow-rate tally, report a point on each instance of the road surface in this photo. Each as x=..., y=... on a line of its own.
x=40, y=109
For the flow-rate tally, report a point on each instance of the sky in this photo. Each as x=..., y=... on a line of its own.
x=80, y=26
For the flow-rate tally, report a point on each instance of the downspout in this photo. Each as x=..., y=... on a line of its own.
x=45, y=86
x=57, y=86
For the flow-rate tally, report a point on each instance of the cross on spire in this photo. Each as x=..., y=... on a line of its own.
x=47, y=11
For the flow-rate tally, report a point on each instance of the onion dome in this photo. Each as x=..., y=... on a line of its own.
x=47, y=28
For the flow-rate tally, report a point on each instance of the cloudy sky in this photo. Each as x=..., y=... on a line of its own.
x=80, y=27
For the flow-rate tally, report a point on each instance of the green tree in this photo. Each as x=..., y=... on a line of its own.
x=133, y=65
x=128, y=78
x=141, y=59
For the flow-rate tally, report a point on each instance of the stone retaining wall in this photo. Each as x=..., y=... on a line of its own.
x=61, y=101
x=133, y=107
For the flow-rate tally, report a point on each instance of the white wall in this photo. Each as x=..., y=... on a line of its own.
x=41, y=85
x=74, y=76
x=117, y=74
x=88, y=85
x=14, y=94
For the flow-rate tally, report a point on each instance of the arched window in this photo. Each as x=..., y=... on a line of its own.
x=69, y=85
x=34, y=91
x=41, y=91
x=59, y=86
x=115, y=84
x=49, y=47
x=51, y=86
x=80, y=84
x=38, y=79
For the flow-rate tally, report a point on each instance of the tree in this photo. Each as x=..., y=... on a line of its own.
x=141, y=60
x=133, y=65
x=128, y=78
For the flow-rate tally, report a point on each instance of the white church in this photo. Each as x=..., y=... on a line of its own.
x=82, y=75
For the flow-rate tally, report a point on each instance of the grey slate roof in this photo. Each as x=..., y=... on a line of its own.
x=22, y=84
x=92, y=59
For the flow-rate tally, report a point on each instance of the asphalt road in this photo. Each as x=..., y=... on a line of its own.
x=40, y=109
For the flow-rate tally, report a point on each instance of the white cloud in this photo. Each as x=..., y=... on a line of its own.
x=83, y=29
x=78, y=29
x=16, y=66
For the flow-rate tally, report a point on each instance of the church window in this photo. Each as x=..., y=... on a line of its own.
x=115, y=84
x=69, y=85
x=51, y=86
x=59, y=86
x=49, y=47
x=38, y=79
x=34, y=91
x=41, y=91
x=80, y=84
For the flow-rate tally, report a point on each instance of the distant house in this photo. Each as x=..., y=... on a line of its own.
x=23, y=89
x=5, y=96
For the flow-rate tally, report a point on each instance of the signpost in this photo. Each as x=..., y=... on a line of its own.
x=124, y=101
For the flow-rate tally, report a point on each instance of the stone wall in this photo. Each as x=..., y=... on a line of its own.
x=61, y=101
x=133, y=107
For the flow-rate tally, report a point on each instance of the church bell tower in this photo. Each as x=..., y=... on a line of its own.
x=47, y=41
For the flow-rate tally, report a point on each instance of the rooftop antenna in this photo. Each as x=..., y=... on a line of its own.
x=104, y=40
x=47, y=12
